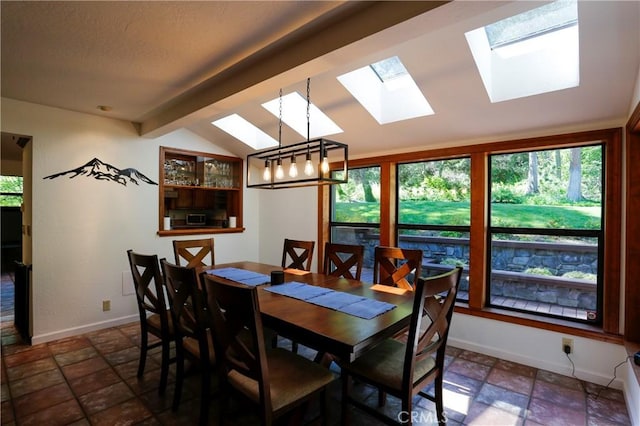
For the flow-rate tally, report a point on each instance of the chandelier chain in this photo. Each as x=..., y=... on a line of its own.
x=280, y=122
x=308, y=106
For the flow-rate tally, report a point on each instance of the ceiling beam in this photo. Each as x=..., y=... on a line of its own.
x=342, y=26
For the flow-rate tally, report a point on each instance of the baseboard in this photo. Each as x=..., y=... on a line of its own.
x=87, y=328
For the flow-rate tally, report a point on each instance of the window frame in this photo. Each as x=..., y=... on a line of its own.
x=597, y=234
x=611, y=140
x=427, y=227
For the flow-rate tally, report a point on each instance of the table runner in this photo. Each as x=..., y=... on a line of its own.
x=241, y=275
x=347, y=303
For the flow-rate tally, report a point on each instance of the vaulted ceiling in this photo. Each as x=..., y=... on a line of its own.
x=168, y=65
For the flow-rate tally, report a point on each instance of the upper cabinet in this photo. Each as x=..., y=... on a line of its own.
x=200, y=193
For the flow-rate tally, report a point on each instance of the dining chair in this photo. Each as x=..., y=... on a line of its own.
x=397, y=267
x=192, y=323
x=297, y=254
x=155, y=317
x=193, y=253
x=404, y=369
x=341, y=259
x=277, y=381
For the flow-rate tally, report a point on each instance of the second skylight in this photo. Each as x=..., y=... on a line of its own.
x=387, y=91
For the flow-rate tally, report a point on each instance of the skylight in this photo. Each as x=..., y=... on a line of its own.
x=294, y=114
x=244, y=131
x=387, y=91
x=528, y=54
x=388, y=69
x=551, y=17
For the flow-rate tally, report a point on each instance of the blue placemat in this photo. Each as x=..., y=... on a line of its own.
x=241, y=275
x=298, y=290
x=358, y=306
x=336, y=300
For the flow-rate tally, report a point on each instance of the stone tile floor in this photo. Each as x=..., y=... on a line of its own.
x=90, y=379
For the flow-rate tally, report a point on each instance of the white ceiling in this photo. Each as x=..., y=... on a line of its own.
x=166, y=65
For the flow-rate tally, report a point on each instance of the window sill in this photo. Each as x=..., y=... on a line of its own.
x=535, y=321
x=196, y=231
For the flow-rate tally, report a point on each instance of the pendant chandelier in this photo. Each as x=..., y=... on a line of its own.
x=275, y=168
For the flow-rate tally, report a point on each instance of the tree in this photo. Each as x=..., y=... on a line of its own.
x=532, y=178
x=364, y=177
x=574, y=190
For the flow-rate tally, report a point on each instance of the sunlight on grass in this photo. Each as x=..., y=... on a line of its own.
x=458, y=213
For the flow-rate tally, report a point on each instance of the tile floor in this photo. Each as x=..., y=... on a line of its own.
x=91, y=379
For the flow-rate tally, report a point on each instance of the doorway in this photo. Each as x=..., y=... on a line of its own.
x=15, y=233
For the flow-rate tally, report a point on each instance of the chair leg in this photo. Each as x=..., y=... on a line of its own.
x=164, y=368
x=439, y=401
x=346, y=388
x=294, y=347
x=179, y=377
x=143, y=353
x=204, y=394
x=382, y=398
x=406, y=408
x=324, y=403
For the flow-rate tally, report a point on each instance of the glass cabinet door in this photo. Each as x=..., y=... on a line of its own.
x=200, y=193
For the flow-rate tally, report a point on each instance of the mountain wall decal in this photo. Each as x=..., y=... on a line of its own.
x=103, y=171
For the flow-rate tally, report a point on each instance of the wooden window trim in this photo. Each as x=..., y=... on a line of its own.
x=612, y=143
x=632, y=254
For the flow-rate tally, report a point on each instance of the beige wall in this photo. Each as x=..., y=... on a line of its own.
x=82, y=227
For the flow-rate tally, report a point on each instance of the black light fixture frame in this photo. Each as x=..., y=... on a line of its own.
x=319, y=148
x=315, y=147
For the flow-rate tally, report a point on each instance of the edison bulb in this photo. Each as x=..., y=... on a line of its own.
x=279, y=170
x=293, y=169
x=325, y=164
x=266, y=175
x=308, y=166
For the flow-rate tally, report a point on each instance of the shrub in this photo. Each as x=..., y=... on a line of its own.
x=505, y=194
x=453, y=261
x=580, y=275
x=538, y=271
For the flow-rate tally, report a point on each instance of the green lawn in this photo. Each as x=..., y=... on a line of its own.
x=457, y=213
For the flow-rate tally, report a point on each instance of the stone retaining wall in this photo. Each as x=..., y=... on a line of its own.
x=509, y=260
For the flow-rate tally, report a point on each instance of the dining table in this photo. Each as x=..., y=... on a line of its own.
x=322, y=328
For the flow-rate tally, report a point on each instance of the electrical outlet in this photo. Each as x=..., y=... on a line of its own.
x=567, y=343
x=106, y=305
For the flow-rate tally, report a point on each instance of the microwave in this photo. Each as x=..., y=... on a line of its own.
x=196, y=219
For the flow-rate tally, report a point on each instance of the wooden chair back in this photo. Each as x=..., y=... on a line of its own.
x=192, y=322
x=297, y=254
x=186, y=300
x=155, y=318
x=397, y=267
x=343, y=260
x=239, y=337
x=148, y=284
x=434, y=301
x=194, y=253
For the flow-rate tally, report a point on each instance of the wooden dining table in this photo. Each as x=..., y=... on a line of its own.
x=326, y=330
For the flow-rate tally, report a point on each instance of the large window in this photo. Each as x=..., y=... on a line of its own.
x=546, y=232
x=535, y=223
x=434, y=214
x=355, y=213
